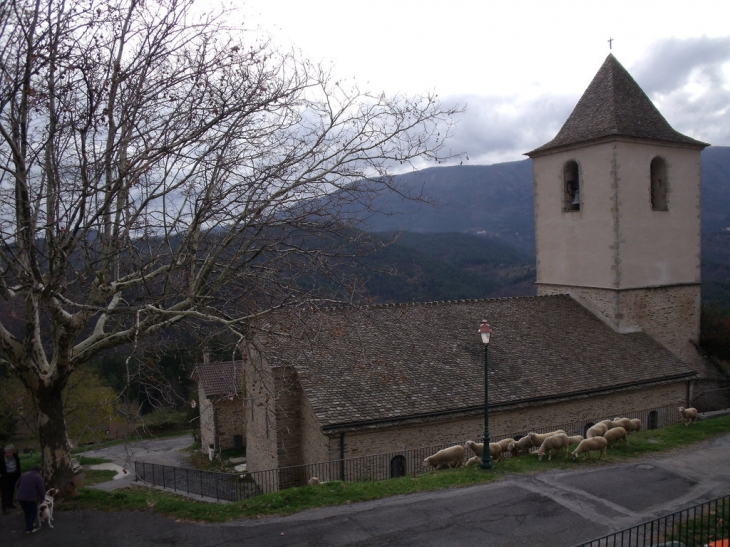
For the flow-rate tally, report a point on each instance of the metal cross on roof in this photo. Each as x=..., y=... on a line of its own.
x=610, y=43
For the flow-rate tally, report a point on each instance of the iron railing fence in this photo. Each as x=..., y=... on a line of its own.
x=698, y=526
x=715, y=399
x=378, y=467
x=218, y=486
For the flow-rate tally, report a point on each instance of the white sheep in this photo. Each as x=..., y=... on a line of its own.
x=453, y=456
x=588, y=445
x=553, y=442
x=539, y=438
x=521, y=446
x=575, y=439
x=689, y=415
x=313, y=481
x=610, y=424
x=634, y=426
x=597, y=430
x=622, y=422
x=477, y=448
x=615, y=435
x=495, y=450
x=504, y=444
x=473, y=461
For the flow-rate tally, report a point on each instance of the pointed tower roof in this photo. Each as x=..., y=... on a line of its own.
x=614, y=105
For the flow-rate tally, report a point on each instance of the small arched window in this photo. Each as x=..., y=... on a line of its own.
x=587, y=427
x=397, y=467
x=571, y=187
x=653, y=420
x=658, y=185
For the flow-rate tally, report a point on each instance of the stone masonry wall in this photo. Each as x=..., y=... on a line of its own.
x=503, y=423
x=261, y=427
x=207, y=421
x=230, y=421
x=315, y=445
x=288, y=416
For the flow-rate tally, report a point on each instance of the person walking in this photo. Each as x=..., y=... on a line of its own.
x=9, y=474
x=31, y=491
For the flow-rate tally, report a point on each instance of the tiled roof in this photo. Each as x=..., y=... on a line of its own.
x=614, y=105
x=223, y=378
x=397, y=361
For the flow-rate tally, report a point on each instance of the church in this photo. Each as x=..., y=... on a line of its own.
x=612, y=332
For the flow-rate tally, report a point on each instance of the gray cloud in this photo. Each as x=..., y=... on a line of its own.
x=689, y=83
x=499, y=128
x=503, y=128
x=672, y=63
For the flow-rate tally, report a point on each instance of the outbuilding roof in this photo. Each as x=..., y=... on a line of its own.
x=393, y=362
x=614, y=105
x=219, y=379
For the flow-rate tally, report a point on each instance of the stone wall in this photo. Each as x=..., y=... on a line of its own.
x=220, y=421
x=288, y=416
x=230, y=421
x=261, y=430
x=207, y=421
x=507, y=422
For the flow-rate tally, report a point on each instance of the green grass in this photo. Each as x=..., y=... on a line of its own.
x=95, y=476
x=200, y=460
x=700, y=531
x=294, y=500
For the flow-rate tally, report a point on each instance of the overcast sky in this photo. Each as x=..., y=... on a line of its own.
x=519, y=67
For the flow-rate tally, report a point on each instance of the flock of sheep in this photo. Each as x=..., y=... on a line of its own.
x=598, y=438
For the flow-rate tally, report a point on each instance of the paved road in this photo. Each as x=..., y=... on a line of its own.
x=167, y=451
x=554, y=508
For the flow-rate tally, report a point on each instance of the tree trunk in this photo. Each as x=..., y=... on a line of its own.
x=53, y=435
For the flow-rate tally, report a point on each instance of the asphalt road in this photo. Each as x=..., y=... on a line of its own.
x=554, y=508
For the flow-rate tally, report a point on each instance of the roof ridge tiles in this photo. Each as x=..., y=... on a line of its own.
x=383, y=305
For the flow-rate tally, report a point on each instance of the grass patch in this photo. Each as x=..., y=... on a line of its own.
x=294, y=500
x=200, y=460
x=95, y=476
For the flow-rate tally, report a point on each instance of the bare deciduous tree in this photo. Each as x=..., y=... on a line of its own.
x=158, y=168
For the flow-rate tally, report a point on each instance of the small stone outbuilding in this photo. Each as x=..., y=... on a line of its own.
x=222, y=418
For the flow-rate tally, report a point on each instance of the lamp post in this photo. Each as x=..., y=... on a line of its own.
x=485, y=331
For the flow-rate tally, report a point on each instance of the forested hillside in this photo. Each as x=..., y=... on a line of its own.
x=495, y=203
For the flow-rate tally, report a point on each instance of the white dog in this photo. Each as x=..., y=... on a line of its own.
x=45, y=508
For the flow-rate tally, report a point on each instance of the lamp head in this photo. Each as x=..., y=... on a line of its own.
x=485, y=331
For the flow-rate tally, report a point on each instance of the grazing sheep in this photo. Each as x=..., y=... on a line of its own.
x=477, y=448
x=495, y=450
x=521, y=446
x=473, y=461
x=588, y=445
x=597, y=430
x=539, y=438
x=634, y=426
x=554, y=442
x=689, y=415
x=452, y=456
x=622, y=422
x=504, y=444
x=610, y=424
x=313, y=481
x=615, y=435
x=575, y=439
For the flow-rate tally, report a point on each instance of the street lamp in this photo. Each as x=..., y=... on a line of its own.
x=485, y=331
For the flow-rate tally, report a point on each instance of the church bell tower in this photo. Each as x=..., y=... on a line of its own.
x=617, y=213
